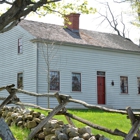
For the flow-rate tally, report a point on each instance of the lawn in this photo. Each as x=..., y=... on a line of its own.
x=105, y=119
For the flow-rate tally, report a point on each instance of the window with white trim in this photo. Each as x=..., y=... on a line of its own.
x=20, y=80
x=54, y=80
x=76, y=81
x=20, y=46
x=123, y=84
x=138, y=84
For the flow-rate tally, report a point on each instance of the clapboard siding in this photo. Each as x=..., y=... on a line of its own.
x=88, y=62
x=68, y=59
x=12, y=63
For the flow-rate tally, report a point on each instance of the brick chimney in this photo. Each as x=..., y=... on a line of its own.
x=73, y=18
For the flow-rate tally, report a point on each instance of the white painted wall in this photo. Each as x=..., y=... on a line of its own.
x=88, y=62
x=68, y=59
x=12, y=63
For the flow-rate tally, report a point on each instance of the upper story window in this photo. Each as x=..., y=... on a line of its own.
x=20, y=80
x=54, y=80
x=20, y=46
x=124, y=84
x=76, y=81
x=138, y=83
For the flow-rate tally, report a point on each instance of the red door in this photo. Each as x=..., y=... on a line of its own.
x=101, y=89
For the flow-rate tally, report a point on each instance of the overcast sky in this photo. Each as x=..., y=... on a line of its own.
x=92, y=22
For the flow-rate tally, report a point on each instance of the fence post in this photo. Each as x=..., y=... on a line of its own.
x=135, y=125
x=64, y=109
x=43, y=122
x=5, y=132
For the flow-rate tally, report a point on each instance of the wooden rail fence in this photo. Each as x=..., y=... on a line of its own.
x=133, y=134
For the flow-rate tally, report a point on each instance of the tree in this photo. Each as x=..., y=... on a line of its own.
x=119, y=22
x=16, y=10
x=49, y=51
x=135, y=5
x=50, y=55
x=114, y=21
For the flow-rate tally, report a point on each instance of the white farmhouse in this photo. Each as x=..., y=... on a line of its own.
x=98, y=68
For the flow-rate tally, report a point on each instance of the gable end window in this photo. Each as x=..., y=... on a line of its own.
x=76, y=81
x=54, y=80
x=20, y=46
x=138, y=83
x=123, y=84
x=20, y=80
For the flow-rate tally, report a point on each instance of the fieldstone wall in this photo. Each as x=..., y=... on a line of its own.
x=53, y=130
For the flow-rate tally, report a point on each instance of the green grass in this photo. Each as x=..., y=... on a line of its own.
x=19, y=133
x=105, y=119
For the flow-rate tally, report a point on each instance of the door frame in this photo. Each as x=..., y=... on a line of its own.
x=99, y=75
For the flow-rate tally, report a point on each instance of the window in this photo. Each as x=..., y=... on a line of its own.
x=76, y=81
x=20, y=80
x=20, y=47
x=124, y=84
x=54, y=80
x=100, y=73
x=138, y=80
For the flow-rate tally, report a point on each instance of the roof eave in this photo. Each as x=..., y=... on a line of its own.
x=84, y=46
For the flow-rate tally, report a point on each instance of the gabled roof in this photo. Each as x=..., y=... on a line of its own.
x=85, y=37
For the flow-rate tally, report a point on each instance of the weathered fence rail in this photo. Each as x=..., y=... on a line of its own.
x=60, y=109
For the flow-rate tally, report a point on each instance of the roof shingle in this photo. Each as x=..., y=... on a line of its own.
x=84, y=37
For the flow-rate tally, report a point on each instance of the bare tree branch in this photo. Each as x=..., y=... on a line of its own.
x=4, y=1
x=53, y=10
x=120, y=1
x=123, y=25
x=112, y=20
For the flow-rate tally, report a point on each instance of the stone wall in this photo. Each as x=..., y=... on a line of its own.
x=53, y=130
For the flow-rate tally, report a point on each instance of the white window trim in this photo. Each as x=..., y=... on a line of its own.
x=19, y=45
x=59, y=80
x=71, y=82
x=23, y=78
x=137, y=84
x=124, y=75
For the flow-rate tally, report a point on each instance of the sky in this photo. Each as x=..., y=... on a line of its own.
x=93, y=22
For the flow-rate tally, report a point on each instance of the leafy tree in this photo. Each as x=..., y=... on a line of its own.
x=16, y=10
x=117, y=17
x=136, y=8
x=135, y=4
